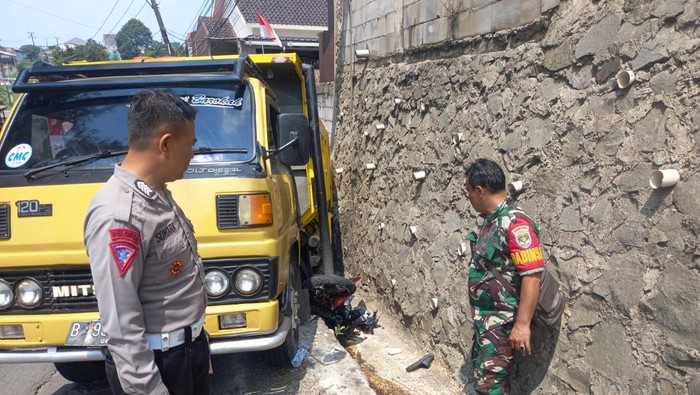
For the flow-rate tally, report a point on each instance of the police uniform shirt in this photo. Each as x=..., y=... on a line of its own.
x=148, y=275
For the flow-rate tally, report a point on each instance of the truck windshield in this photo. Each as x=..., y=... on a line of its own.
x=50, y=128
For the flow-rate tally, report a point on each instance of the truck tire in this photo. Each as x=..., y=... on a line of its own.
x=282, y=355
x=82, y=372
x=331, y=286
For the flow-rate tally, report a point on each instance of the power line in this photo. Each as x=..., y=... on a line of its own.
x=105, y=21
x=122, y=17
x=199, y=13
x=176, y=35
x=50, y=14
x=195, y=18
x=161, y=25
x=217, y=25
x=140, y=9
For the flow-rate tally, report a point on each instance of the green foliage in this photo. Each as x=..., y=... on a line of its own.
x=178, y=49
x=92, y=51
x=156, y=49
x=31, y=52
x=133, y=39
x=23, y=64
x=5, y=96
x=339, y=330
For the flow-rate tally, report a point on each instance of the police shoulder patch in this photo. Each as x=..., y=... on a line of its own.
x=125, y=234
x=123, y=253
x=522, y=236
x=124, y=247
x=144, y=189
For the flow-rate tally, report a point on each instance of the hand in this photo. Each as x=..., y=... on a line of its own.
x=520, y=338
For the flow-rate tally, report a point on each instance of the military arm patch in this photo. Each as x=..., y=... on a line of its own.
x=525, y=249
x=522, y=236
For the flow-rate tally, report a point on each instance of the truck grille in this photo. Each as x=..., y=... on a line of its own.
x=227, y=211
x=67, y=279
x=70, y=283
x=4, y=221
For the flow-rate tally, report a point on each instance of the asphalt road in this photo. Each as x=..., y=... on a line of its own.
x=328, y=370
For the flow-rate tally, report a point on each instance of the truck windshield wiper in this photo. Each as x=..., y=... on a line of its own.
x=207, y=150
x=104, y=154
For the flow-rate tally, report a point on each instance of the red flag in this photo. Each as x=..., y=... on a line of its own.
x=266, y=31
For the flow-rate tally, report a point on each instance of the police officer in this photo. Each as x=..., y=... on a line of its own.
x=508, y=242
x=147, y=272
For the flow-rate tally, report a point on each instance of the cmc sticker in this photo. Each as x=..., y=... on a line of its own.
x=18, y=155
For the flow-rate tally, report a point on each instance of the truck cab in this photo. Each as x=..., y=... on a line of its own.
x=259, y=194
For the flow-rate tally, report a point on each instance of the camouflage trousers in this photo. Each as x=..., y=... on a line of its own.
x=492, y=359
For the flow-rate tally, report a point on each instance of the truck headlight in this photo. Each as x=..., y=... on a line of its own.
x=5, y=295
x=216, y=282
x=248, y=281
x=29, y=293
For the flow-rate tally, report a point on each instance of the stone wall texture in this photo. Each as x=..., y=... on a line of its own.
x=534, y=88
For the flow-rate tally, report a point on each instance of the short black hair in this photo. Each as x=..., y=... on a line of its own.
x=150, y=110
x=487, y=174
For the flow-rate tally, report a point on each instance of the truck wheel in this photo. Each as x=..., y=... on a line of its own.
x=330, y=286
x=336, y=237
x=283, y=354
x=82, y=372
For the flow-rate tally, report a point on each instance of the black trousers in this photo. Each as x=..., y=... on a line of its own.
x=184, y=369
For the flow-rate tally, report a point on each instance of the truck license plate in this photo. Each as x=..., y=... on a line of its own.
x=86, y=333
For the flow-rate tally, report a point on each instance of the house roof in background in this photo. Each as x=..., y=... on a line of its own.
x=10, y=50
x=217, y=28
x=75, y=41
x=286, y=12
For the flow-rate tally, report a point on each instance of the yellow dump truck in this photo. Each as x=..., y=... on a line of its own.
x=259, y=192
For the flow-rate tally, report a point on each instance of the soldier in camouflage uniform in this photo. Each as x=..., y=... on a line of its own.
x=507, y=241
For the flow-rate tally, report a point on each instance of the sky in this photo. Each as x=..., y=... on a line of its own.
x=62, y=20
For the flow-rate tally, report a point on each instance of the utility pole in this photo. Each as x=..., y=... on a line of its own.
x=56, y=37
x=31, y=35
x=163, y=33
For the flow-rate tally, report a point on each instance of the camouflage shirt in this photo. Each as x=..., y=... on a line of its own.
x=508, y=239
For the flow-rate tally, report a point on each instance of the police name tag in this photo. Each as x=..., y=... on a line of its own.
x=86, y=333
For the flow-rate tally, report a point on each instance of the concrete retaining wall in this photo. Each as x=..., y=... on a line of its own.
x=324, y=95
x=541, y=99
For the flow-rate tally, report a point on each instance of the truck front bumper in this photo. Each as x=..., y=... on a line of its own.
x=222, y=346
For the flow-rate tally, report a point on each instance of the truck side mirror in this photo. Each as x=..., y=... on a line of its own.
x=294, y=139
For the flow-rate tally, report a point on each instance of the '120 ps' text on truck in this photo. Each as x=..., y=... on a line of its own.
x=253, y=192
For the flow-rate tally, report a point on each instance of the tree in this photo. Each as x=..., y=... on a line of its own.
x=133, y=38
x=92, y=51
x=23, y=64
x=31, y=52
x=156, y=49
x=62, y=56
x=178, y=49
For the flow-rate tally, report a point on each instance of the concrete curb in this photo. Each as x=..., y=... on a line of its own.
x=330, y=369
